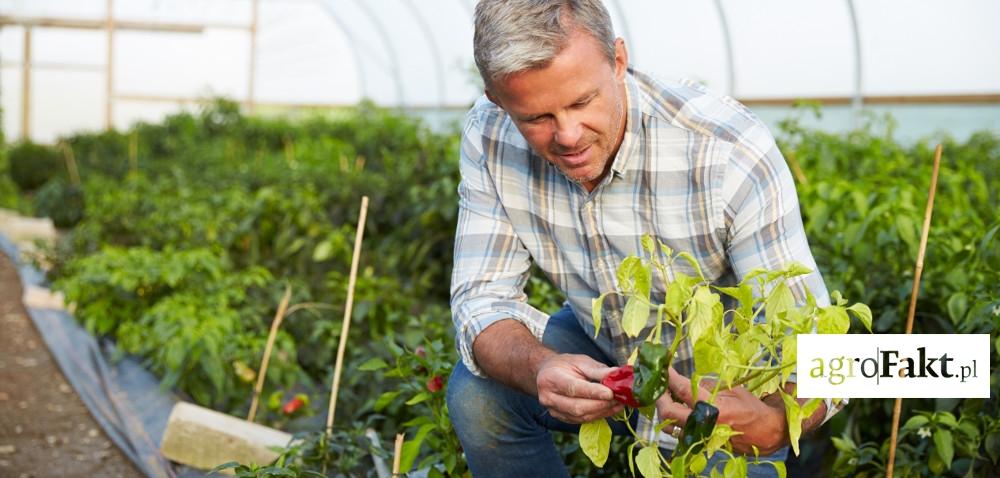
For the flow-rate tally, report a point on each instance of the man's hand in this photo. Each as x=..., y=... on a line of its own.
x=761, y=422
x=509, y=354
x=566, y=387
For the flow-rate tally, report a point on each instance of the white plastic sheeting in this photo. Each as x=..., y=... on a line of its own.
x=417, y=54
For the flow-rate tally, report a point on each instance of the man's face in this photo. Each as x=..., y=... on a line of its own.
x=572, y=111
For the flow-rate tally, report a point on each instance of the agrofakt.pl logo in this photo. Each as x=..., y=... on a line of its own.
x=893, y=365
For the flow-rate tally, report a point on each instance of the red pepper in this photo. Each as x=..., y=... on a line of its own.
x=620, y=382
x=435, y=384
x=292, y=406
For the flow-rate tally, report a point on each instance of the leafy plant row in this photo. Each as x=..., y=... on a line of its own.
x=184, y=233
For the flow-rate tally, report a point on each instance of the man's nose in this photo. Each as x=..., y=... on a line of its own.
x=568, y=132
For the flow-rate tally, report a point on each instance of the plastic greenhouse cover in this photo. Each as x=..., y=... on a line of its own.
x=417, y=54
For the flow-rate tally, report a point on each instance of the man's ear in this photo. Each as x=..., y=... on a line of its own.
x=621, y=59
x=492, y=97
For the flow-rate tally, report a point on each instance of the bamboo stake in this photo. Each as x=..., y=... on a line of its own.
x=70, y=158
x=335, y=386
x=133, y=151
x=275, y=324
x=897, y=408
x=796, y=168
x=397, y=455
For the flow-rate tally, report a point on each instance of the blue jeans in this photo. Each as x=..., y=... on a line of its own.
x=506, y=433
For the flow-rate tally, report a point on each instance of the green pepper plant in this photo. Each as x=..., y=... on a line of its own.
x=752, y=344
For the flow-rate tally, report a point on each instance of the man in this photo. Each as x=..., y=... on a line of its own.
x=568, y=160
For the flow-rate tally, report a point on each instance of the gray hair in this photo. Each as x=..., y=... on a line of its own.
x=517, y=35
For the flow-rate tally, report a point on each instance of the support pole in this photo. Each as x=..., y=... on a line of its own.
x=253, y=57
x=857, y=101
x=912, y=311
x=26, y=86
x=109, y=85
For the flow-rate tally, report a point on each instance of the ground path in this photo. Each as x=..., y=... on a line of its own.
x=45, y=430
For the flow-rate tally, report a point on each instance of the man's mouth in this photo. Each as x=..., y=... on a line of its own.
x=576, y=158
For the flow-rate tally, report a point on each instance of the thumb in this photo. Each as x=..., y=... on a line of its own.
x=592, y=369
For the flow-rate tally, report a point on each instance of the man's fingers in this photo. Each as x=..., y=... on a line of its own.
x=675, y=411
x=681, y=388
x=595, y=370
x=576, y=388
x=580, y=410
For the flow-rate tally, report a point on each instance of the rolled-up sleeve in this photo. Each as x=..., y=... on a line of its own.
x=491, y=265
x=761, y=212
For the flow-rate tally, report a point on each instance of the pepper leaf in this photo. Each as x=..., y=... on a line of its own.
x=635, y=317
x=373, y=364
x=916, y=422
x=698, y=463
x=412, y=447
x=678, y=467
x=701, y=313
x=708, y=357
x=647, y=244
x=944, y=444
x=694, y=263
x=789, y=355
x=720, y=436
x=736, y=466
x=794, y=269
x=677, y=296
x=626, y=274
x=648, y=462
x=992, y=445
x=795, y=414
x=780, y=300
x=596, y=310
x=863, y=313
x=833, y=320
x=385, y=399
x=595, y=441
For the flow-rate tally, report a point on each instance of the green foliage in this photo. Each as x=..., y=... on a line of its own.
x=32, y=165
x=185, y=312
x=863, y=208
x=9, y=194
x=737, y=347
x=61, y=201
x=316, y=454
x=420, y=397
x=276, y=200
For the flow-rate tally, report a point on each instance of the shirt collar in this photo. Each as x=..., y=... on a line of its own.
x=633, y=126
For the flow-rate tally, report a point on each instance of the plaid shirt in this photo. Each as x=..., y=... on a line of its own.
x=697, y=171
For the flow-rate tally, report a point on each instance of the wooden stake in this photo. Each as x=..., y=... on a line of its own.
x=925, y=231
x=347, y=315
x=275, y=324
x=133, y=151
x=796, y=168
x=397, y=455
x=70, y=158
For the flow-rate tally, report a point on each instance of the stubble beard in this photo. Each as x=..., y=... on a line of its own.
x=605, y=146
